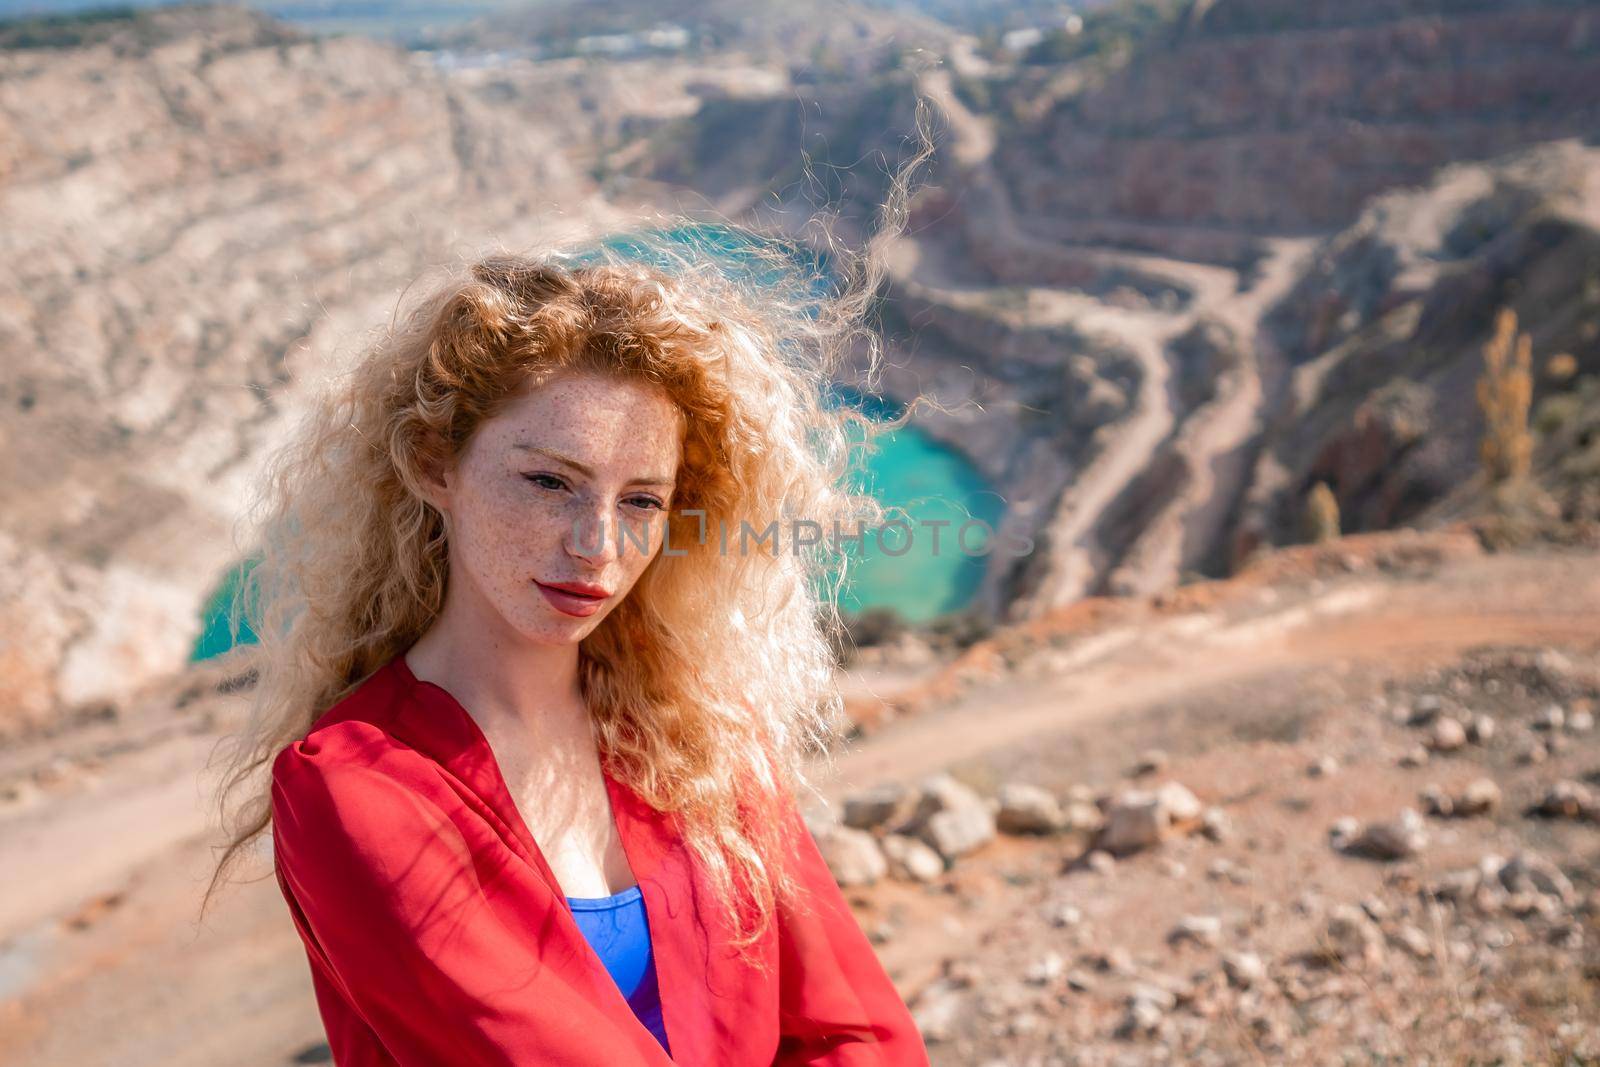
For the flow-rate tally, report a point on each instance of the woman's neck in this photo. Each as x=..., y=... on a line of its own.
x=501, y=680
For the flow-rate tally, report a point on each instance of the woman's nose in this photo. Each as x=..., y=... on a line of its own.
x=590, y=536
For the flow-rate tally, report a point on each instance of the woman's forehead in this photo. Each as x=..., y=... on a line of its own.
x=592, y=420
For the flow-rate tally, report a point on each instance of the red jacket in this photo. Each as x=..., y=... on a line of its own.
x=439, y=937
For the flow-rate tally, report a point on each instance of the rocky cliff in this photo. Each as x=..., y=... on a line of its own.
x=1266, y=116
x=1385, y=328
x=1154, y=299
x=199, y=212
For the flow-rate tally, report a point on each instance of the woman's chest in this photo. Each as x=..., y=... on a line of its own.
x=561, y=797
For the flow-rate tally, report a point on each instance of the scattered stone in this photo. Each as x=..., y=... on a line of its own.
x=1528, y=872
x=1046, y=970
x=1215, y=825
x=939, y=1009
x=852, y=855
x=1325, y=767
x=1352, y=937
x=1199, y=929
x=1531, y=753
x=1343, y=832
x=955, y=833
x=1456, y=886
x=1397, y=839
x=1135, y=821
x=1414, y=942
x=1435, y=801
x=1480, y=729
x=1481, y=796
x=951, y=818
x=1084, y=816
x=1424, y=710
x=1415, y=756
x=1580, y=722
x=1100, y=861
x=911, y=859
x=1028, y=809
x=1223, y=868
x=1568, y=799
x=1147, y=1008
x=1063, y=914
x=1552, y=717
x=1141, y=1019
x=1447, y=735
x=1182, y=806
x=1115, y=960
x=1141, y=818
x=1243, y=969
x=877, y=806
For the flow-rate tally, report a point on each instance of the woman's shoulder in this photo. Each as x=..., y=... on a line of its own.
x=352, y=742
x=351, y=792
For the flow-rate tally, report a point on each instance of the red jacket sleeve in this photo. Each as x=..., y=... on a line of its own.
x=836, y=1003
x=441, y=943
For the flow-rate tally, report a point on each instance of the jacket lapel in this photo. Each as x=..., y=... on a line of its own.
x=661, y=864
x=434, y=722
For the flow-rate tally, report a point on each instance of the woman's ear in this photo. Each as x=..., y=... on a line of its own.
x=437, y=473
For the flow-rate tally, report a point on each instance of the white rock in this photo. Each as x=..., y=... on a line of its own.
x=874, y=807
x=955, y=833
x=912, y=860
x=1136, y=820
x=1399, y=838
x=938, y=1010
x=1447, y=735
x=1352, y=937
x=1529, y=872
x=1047, y=969
x=852, y=855
x=1027, y=809
x=1063, y=914
x=1414, y=942
x=1552, y=717
x=1481, y=796
x=1200, y=929
x=950, y=817
x=1244, y=969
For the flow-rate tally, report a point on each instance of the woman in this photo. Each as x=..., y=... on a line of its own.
x=537, y=687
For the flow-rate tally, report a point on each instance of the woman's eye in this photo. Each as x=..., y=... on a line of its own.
x=542, y=479
x=649, y=502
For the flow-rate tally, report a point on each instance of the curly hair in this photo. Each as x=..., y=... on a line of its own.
x=711, y=684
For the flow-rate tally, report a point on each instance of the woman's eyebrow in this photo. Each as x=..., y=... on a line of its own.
x=582, y=469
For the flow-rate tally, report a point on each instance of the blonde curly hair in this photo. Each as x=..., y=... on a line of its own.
x=712, y=684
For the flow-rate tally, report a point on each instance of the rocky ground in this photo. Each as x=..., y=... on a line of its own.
x=1146, y=830
x=1371, y=836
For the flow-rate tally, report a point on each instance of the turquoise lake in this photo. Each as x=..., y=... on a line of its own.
x=924, y=480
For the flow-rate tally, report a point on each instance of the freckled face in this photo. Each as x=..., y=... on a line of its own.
x=568, y=485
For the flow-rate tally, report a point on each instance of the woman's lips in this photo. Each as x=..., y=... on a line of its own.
x=570, y=603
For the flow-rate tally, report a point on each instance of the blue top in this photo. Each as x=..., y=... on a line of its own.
x=617, y=929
